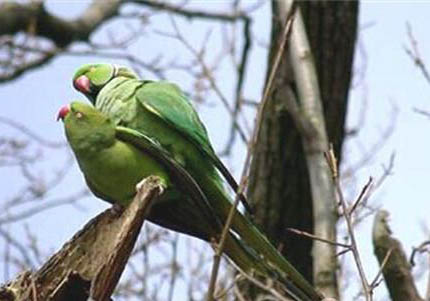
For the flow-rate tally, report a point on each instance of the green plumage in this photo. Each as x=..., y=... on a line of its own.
x=114, y=159
x=161, y=111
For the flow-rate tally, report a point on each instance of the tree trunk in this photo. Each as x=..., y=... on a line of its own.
x=279, y=180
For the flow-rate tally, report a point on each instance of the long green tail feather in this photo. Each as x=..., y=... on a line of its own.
x=253, y=238
x=248, y=261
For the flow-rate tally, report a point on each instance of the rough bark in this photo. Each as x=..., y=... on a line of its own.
x=91, y=263
x=279, y=179
x=34, y=19
x=397, y=269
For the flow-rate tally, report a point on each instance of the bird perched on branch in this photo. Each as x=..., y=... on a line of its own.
x=162, y=113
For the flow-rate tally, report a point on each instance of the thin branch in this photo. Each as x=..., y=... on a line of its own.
x=240, y=81
x=361, y=196
x=423, y=247
x=40, y=208
x=242, y=185
x=191, y=13
x=414, y=53
x=370, y=152
x=266, y=287
x=347, y=215
x=174, y=268
x=15, y=17
x=11, y=241
x=422, y=112
x=95, y=51
x=23, y=68
x=35, y=21
x=309, y=235
x=220, y=246
x=377, y=279
x=206, y=71
x=28, y=132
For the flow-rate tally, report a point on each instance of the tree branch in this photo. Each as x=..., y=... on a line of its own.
x=397, y=270
x=315, y=143
x=190, y=13
x=91, y=263
x=34, y=19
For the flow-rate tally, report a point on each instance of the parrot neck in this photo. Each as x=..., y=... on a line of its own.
x=89, y=143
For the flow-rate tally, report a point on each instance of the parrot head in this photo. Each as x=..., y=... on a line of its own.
x=82, y=123
x=91, y=78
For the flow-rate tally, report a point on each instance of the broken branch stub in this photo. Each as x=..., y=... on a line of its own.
x=91, y=263
x=396, y=270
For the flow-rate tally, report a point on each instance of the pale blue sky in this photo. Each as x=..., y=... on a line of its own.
x=390, y=78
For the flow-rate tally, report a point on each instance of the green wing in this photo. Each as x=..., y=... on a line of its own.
x=199, y=220
x=170, y=104
x=184, y=181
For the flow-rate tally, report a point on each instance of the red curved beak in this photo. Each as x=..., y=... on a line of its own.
x=63, y=112
x=82, y=84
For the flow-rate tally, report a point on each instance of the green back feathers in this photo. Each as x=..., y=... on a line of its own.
x=168, y=102
x=125, y=98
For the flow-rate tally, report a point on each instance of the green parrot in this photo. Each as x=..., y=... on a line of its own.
x=114, y=159
x=158, y=109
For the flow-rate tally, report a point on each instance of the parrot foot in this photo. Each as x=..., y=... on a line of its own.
x=116, y=210
x=160, y=182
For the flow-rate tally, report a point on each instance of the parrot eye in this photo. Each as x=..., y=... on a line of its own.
x=79, y=115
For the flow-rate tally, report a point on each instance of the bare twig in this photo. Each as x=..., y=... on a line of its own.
x=422, y=112
x=347, y=215
x=96, y=51
x=266, y=287
x=309, y=235
x=241, y=68
x=11, y=241
x=414, y=53
x=206, y=71
x=423, y=247
x=42, y=207
x=370, y=151
x=25, y=130
x=363, y=192
x=375, y=282
x=174, y=267
x=243, y=180
x=33, y=19
x=190, y=13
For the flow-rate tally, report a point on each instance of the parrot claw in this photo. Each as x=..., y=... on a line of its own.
x=117, y=209
x=161, y=184
x=139, y=186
